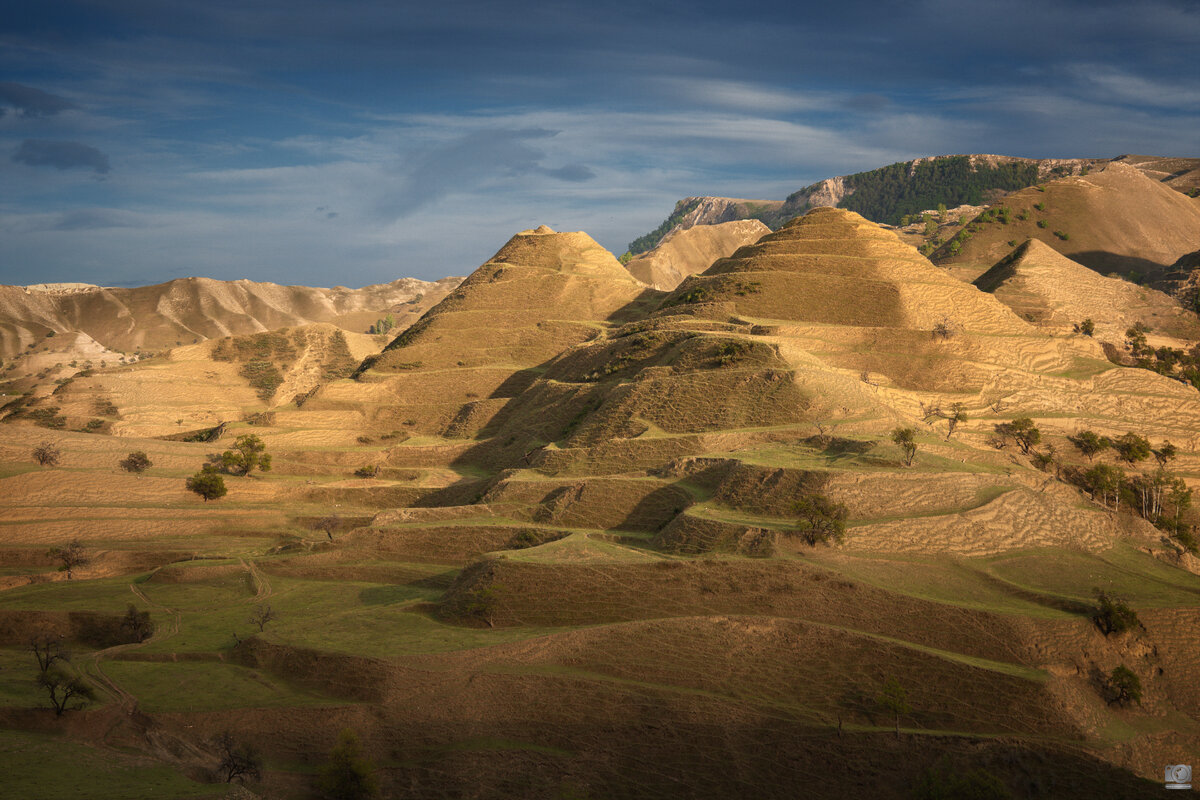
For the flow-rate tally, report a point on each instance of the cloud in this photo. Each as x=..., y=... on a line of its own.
x=63, y=155
x=469, y=162
x=31, y=102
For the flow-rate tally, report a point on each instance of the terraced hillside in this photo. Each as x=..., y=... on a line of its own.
x=547, y=544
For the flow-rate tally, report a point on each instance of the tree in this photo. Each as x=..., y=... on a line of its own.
x=957, y=414
x=1165, y=453
x=348, y=775
x=136, y=462
x=906, y=438
x=262, y=615
x=72, y=557
x=1022, y=431
x=238, y=761
x=136, y=625
x=1113, y=614
x=820, y=518
x=207, y=483
x=67, y=691
x=47, y=454
x=1104, y=481
x=1090, y=443
x=329, y=525
x=47, y=650
x=247, y=453
x=1132, y=448
x=894, y=698
x=1087, y=327
x=1124, y=686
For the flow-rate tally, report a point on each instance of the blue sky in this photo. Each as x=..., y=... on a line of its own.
x=349, y=143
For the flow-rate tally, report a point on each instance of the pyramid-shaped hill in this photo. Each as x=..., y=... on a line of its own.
x=853, y=295
x=1054, y=292
x=540, y=294
x=1112, y=220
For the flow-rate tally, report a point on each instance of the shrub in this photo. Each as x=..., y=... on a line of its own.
x=1087, y=327
x=1041, y=223
x=1124, y=686
x=348, y=775
x=47, y=454
x=369, y=471
x=1113, y=614
x=136, y=462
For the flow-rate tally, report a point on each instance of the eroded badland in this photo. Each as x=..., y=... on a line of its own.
x=552, y=533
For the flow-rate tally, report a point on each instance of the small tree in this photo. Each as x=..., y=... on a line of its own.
x=1132, y=448
x=1113, y=614
x=329, y=525
x=348, y=775
x=48, y=650
x=906, y=438
x=47, y=454
x=1104, y=481
x=136, y=625
x=957, y=414
x=207, y=483
x=66, y=691
x=262, y=615
x=71, y=557
x=820, y=518
x=247, y=453
x=1090, y=443
x=1124, y=686
x=894, y=698
x=136, y=462
x=1087, y=327
x=1022, y=431
x=1165, y=454
x=238, y=761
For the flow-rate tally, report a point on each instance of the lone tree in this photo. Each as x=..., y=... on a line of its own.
x=1087, y=327
x=894, y=698
x=207, y=483
x=957, y=414
x=136, y=625
x=820, y=518
x=1124, y=686
x=1022, y=431
x=1132, y=448
x=238, y=761
x=1165, y=454
x=348, y=775
x=66, y=690
x=1090, y=443
x=906, y=438
x=262, y=615
x=136, y=462
x=72, y=557
x=329, y=525
x=1113, y=614
x=47, y=454
x=247, y=453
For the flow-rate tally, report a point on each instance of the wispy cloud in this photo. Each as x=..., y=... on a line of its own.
x=61, y=155
x=31, y=102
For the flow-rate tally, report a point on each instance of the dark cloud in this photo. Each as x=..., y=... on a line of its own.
x=63, y=155
x=471, y=161
x=31, y=102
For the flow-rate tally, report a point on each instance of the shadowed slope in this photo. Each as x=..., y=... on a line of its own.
x=688, y=251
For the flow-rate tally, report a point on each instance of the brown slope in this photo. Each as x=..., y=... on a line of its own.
x=192, y=309
x=688, y=251
x=1114, y=220
x=1052, y=291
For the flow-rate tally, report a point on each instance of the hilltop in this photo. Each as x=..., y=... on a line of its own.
x=686, y=251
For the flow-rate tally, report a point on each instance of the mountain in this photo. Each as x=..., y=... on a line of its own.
x=187, y=310
x=1113, y=219
x=687, y=251
x=908, y=188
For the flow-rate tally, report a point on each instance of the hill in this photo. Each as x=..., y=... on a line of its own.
x=908, y=188
x=564, y=537
x=1111, y=220
x=687, y=251
x=188, y=310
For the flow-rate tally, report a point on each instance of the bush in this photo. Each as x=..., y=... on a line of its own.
x=1113, y=614
x=136, y=462
x=1087, y=327
x=1124, y=686
x=369, y=471
x=348, y=775
x=47, y=454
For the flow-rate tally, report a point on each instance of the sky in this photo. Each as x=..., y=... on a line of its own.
x=357, y=142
